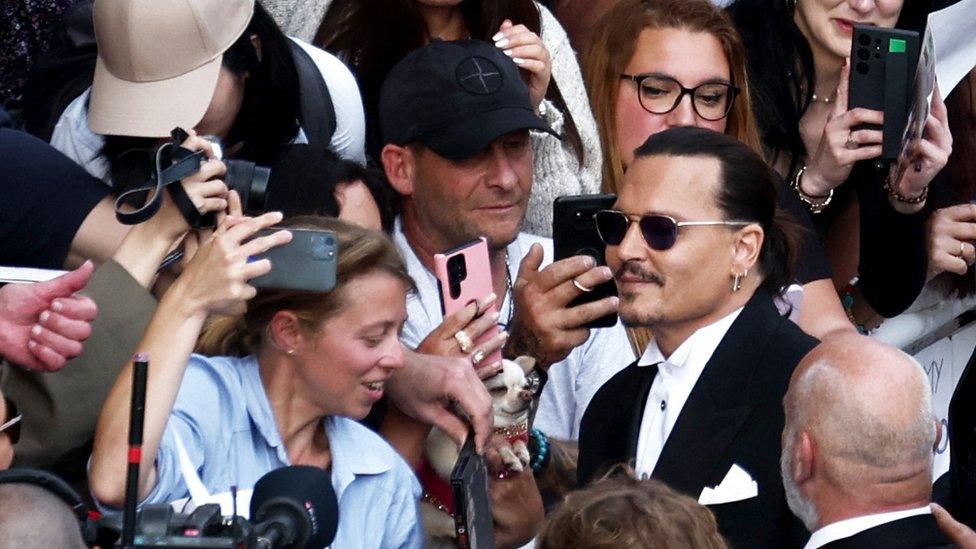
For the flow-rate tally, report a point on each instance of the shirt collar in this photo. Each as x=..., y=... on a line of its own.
x=698, y=348
x=352, y=453
x=849, y=527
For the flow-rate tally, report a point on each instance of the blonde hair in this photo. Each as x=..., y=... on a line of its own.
x=621, y=511
x=360, y=251
x=613, y=45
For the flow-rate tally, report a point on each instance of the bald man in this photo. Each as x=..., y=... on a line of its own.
x=857, y=447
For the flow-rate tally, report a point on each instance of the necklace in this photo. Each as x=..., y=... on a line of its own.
x=510, y=292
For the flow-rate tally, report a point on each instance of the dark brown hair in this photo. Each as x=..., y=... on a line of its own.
x=361, y=251
x=747, y=192
x=621, y=511
x=614, y=43
x=372, y=36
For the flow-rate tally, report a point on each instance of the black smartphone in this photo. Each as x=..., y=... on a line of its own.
x=469, y=484
x=883, y=63
x=307, y=263
x=574, y=233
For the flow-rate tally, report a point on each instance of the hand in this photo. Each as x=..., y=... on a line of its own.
x=44, y=324
x=429, y=387
x=207, y=192
x=216, y=279
x=516, y=508
x=929, y=154
x=528, y=52
x=951, y=233
x=545, y=327
x=441, y=341
x=957, y=532
x=831, y=163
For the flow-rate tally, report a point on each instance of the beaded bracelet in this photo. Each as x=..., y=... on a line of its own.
x=847, y=300
x=541, y=457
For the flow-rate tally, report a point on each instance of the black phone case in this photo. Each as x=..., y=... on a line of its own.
x=574, y=233
x=472, y=506
x=883, y=63
x=307, y=263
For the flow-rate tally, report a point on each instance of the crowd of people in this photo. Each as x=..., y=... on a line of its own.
x=750, y=393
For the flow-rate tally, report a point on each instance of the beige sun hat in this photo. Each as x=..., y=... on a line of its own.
x=158, y=62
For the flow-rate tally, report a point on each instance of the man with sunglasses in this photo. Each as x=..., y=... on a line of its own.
x=698, y=252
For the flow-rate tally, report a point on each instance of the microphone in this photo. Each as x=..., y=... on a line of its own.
x=294, y=507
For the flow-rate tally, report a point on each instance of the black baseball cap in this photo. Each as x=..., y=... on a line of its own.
x=455, y=97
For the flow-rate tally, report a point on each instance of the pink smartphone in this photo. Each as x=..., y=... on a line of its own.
x=463, y=277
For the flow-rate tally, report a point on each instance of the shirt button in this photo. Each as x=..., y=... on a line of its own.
x=663, y=405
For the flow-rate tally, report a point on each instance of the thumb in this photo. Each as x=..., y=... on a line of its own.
x=65, y=284
x=531, y=262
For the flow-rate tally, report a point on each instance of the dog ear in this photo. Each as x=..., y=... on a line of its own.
x=526, y=362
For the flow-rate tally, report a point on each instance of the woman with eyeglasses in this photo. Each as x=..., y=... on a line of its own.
x=871, y=219
x=657, y=64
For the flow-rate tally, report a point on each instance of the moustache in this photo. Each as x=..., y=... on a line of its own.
x=635, y=270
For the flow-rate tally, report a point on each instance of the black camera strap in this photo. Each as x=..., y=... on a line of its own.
x=179, y=163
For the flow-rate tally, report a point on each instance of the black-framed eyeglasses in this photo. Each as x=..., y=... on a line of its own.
x=660, y=94
x=659, y=231
x=11, y=424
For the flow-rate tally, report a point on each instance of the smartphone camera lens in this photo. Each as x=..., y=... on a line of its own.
x=863, y=54
x=863, y=68
x=864, y=39
x=329, y=241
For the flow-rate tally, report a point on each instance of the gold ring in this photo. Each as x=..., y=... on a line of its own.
x=464, y=340
x=851, y=142
x=581, y=287
x=477, y=357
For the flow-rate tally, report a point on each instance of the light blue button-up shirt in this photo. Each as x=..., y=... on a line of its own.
x=223, y=417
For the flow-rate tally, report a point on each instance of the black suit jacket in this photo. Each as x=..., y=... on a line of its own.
x=734, y=415
x=918, y=532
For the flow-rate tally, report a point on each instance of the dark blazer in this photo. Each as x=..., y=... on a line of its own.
x=918, y=532
x=734, y=415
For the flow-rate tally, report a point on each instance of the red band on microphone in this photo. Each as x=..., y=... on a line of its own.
x=135, y=454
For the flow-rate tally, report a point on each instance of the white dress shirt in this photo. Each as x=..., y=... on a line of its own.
x=676, y=377
x=846, y=528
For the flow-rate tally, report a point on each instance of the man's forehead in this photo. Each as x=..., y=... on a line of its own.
x=677, y=185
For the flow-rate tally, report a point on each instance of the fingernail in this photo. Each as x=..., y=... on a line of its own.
x=31, y=344
x=498, y=36
x=36, y=330
x=590, y=262
x=490, y=297
x=44, y=316
x=500, y=44
x=518, y=60
x=56, y=306
x=606, y=272
x=494, y=315
x=615, y=300
x=504, y=336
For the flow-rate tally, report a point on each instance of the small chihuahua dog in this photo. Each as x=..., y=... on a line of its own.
x=511, y=400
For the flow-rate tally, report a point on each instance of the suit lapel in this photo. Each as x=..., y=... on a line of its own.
x=719, y=403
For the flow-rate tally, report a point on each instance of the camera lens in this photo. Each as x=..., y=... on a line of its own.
x=863, y=67
x=864, y=39
x=329, y=241
x=863, y=54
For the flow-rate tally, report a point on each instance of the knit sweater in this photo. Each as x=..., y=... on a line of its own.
x=557, y=170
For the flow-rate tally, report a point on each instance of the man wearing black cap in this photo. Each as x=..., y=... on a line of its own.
x=455, y=118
